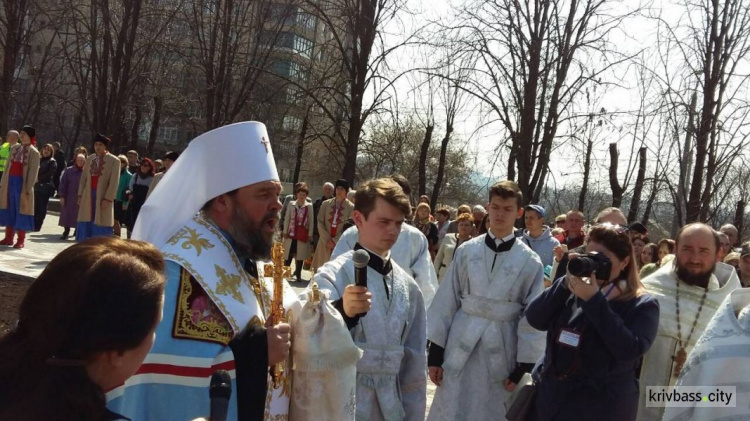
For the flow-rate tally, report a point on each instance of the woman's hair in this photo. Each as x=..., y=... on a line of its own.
x=123, y=159
x=81, y=150
x=482, y=229
x=669, y=243
x=103, y=294
x=616, y=240
x=464, y=217
x=422, y=205
x=301, y=186
x=463, y=209
x=654, y=252
x=50, y=148
x=152, y=171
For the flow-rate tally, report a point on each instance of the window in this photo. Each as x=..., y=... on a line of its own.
x=296, y=71
x=281, y=67
x=288, y=68
x=303, y=46
x=292, y=123
x=286, y=175
x=293, y=95
x=304, y=20
x=280, y=13
x=168, y=134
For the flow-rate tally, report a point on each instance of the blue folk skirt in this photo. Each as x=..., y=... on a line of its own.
x=86, y=230
x=11, y=216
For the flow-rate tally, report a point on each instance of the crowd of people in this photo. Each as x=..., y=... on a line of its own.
x=99, y=193
x=571, y=321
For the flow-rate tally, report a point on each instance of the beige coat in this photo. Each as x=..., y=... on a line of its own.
x=157, y=178
x=30, y=172
x=325, y=218
x=109, y=180
x=304, y=250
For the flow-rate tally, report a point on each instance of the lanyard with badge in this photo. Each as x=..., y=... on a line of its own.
x=571, y=339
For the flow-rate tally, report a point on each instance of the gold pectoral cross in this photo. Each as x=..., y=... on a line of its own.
x=679, y=360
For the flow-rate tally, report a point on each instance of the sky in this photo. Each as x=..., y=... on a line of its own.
x=638, y=34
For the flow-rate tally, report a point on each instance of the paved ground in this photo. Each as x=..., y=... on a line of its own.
x=18, y=268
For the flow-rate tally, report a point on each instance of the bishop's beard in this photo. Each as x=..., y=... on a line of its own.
x=250, y=237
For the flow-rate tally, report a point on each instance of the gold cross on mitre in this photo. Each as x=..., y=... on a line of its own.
x=264, y=141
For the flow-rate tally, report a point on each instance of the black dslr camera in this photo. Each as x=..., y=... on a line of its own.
x=585, y=264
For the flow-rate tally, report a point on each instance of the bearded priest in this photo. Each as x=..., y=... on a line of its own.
x=689, y=291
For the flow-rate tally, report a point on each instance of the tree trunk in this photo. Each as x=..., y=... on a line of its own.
x=710, y=174
x=635, y=202
x=650, y=201
x=586, y=175
x=685, y=165
x=441, y=167
x=352, y=144
x=512, y=163
x=739, y=219
x=617, y=190
x=300, y=148
x=422, y=190
x=155, y=122
x=15, y=13
x=136, y=126
x=712, y=66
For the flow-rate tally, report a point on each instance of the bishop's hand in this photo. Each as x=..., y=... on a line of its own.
x=279, y=342
x=356, y=300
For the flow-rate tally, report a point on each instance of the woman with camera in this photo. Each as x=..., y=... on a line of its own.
x=599, y=322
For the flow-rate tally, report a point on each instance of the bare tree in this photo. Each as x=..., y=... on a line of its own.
x=532, y=60
x=357, y=61
x=715, y=46
x=13, y=37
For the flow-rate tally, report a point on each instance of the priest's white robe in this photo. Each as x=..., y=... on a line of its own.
x=391, y=375
x=411, y=251
x=477, y=316
x=721, y=357
x=658, y=368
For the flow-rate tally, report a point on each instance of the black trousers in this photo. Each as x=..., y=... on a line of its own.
x=298, y=263
x=42, y=193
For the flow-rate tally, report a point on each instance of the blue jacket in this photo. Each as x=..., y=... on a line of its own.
x=542, y=245
x=597, y=380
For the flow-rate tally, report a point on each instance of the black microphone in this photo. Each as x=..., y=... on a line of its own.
x=361, y=258
x=220, y=391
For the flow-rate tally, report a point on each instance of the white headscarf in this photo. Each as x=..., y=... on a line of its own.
x=214, y=163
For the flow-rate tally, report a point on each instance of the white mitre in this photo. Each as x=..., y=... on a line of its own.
x=214, y=163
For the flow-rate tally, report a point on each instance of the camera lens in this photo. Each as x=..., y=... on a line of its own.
x=581, y=266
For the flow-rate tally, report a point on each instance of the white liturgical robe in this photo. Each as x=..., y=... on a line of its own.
x=721, y=357
x=658, y=368
x=477, y=317
x=391, y=375
x=411, y=251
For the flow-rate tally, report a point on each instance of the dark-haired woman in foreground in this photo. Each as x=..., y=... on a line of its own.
x=597, y=332
x=85, y=326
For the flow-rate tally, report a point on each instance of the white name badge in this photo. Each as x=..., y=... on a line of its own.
x=569, y=338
